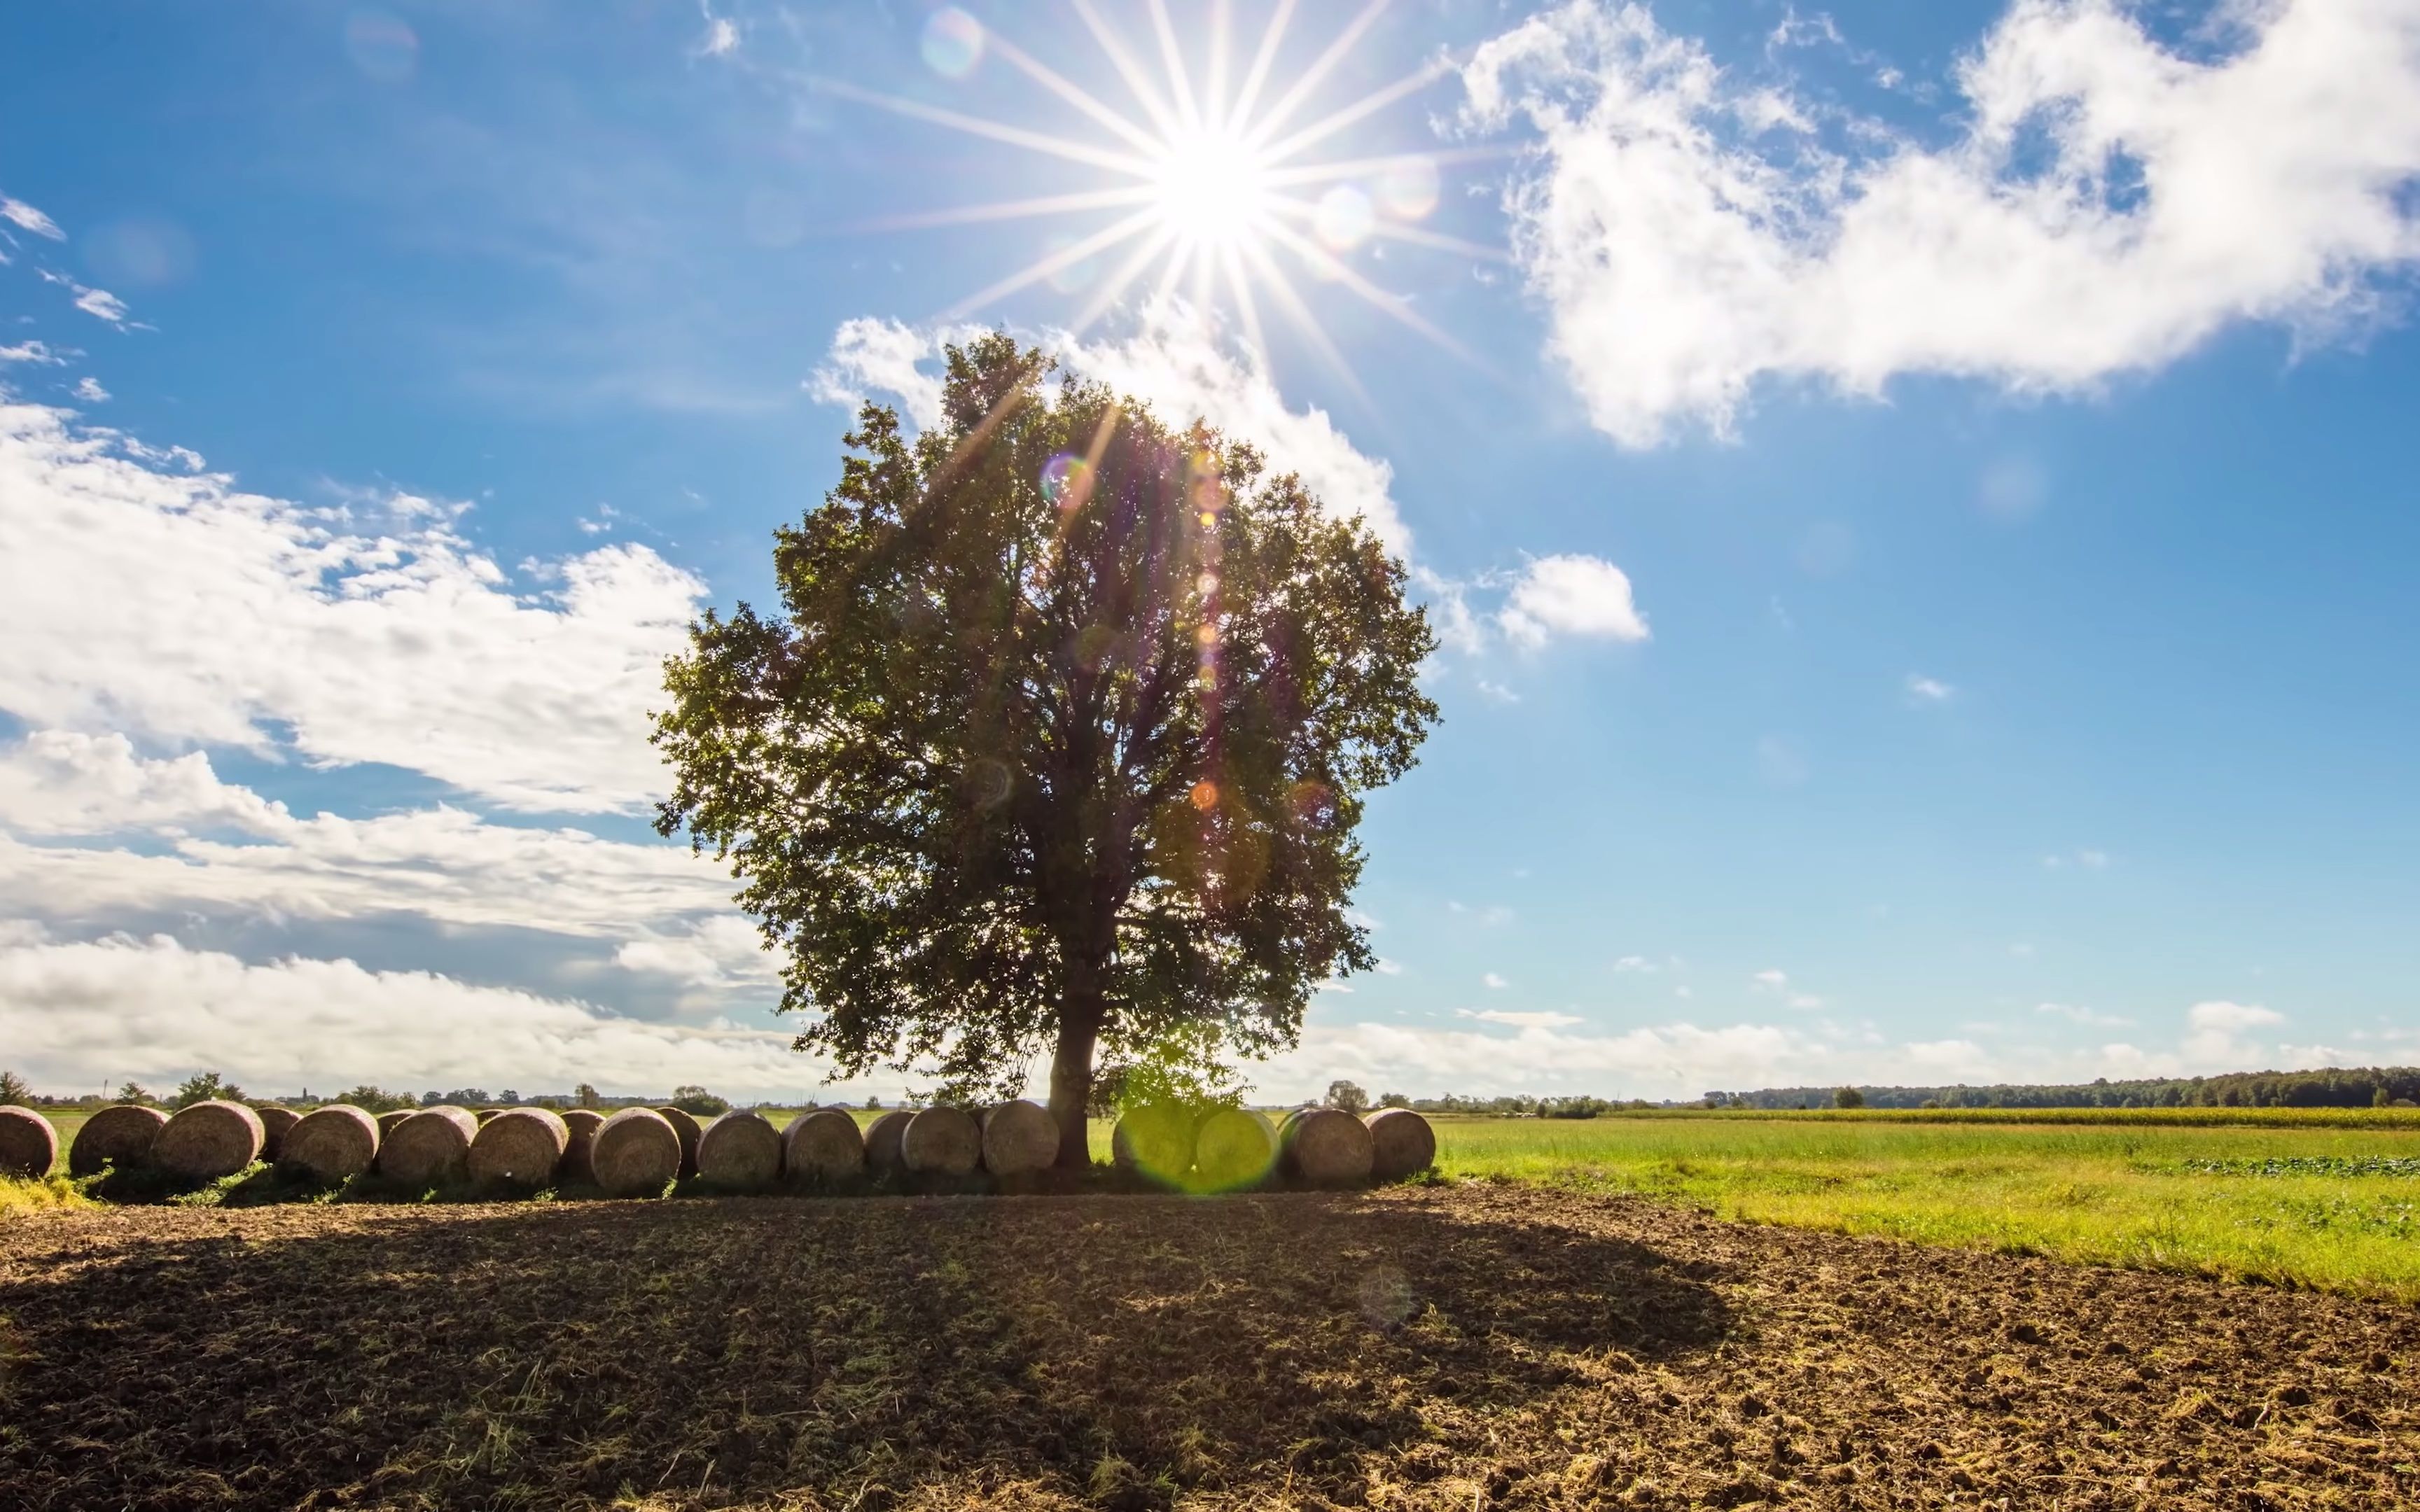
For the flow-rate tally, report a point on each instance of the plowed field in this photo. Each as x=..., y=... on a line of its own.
x=1446, y=1348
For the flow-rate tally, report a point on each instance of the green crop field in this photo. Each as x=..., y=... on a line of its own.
x=2332, y=1200
x=2327, y=1199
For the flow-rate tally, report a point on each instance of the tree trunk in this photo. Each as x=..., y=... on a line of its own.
x=1071, y=1076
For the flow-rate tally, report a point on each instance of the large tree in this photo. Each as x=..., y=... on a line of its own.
x=1059, y=742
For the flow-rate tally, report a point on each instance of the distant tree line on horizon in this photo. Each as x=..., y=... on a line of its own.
x=2332, y=1087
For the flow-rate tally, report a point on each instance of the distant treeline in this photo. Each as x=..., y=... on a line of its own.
x=2336, y=1088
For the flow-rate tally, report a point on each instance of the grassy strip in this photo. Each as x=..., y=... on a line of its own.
x=2298, y=1208
x=2407, y=1119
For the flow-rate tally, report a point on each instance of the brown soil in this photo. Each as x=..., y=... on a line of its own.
x=1464, y=1348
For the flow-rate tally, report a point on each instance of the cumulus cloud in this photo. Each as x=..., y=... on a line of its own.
x=194, y=844
x=1572, y=595
x=2108, y=205
x=179, y=609
x=89, y=389
x=153, y=1010
x=36, y=353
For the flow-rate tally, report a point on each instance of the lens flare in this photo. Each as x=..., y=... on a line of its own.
x=1345, y=218
x=1066, y=479
x=953, y=42
x=1409, y=191
x=1205, y=794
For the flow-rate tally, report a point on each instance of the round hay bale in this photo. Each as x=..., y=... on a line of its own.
x=740, y=1151
x=430, y=1149
x=275, y=1124
x=1327, y=1146
x=823, y=1147
x=582, y=1125
x=518, y=1148
x=122, y=1137
x=389, y=1122
x=941, y=1142
x=1234, y=1148
x=209, y=1140
x=486, y=1114
x=1400, y=1143
x=1155, y=1141
x=882, y=1137
x=29, y=1143
x=686, y=1125
x=1019, y=1139
x=333, y=1143
x=636, y=1153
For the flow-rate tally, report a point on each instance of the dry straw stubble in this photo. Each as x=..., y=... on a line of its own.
x=1326, y=1147
x=941, y=1142
x=29, y=1143
x=739, y=1152
x=209, y=1140
x=1019, y=1139
x=1401, y=1144
x=432, y=1148
x=519, y=1148
x=580, y=1125
x=335, y=1143
x=823, y=1147
x=636, y=1153
x=686, y=1125
x=120, y=1137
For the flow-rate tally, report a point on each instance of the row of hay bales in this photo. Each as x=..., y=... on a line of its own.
x=639, y=1151
x=1233, y=1149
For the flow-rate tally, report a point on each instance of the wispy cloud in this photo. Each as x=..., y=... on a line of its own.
x=1922, y=689
x=26, y=218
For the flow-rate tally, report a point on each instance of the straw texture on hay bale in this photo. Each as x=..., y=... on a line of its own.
x=1327, y=1146
x=388, y=1122
x=941, y=1142
x=519, y=1148
x=275, y=1123
x=486, y=1114
x=882, y=1137
x=209, y=1140
x=580, y=1124
x=335, y=1143
x=121, y=1136
x=1400, y=1143
x=1154, y=1140
x=823, y=1146
x=740, y=1151
x=1234, y=1148
x=29, y=1143
x=1019, y=1139
x=636, y=1153
x=430, y=1148
x=686, y=1125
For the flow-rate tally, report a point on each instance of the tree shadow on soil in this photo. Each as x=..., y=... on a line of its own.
x=1116, y=1351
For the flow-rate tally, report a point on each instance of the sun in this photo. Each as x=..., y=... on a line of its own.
x=1215, y=189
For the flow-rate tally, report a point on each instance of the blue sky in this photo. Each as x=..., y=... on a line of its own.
x=1916, y=501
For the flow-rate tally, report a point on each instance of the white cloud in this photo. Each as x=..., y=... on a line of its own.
x=2108, y=205
x=1635, y=963
x=1774, y=979
x=2080, y=1014
x=1492, y=979
x=37, y=353
x=721, y=37
x=153, y=1010
x=1571, y=594
x=89, y=389
x=26, y=218
x=1520, y=1020
x=1929, y=689
x=872, y=357
x=2090, y=861
x=101, y=304
x=179, y=609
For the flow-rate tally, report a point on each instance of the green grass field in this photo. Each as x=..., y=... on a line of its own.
x=2319, y=1198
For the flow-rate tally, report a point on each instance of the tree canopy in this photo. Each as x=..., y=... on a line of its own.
x=1059, y=742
